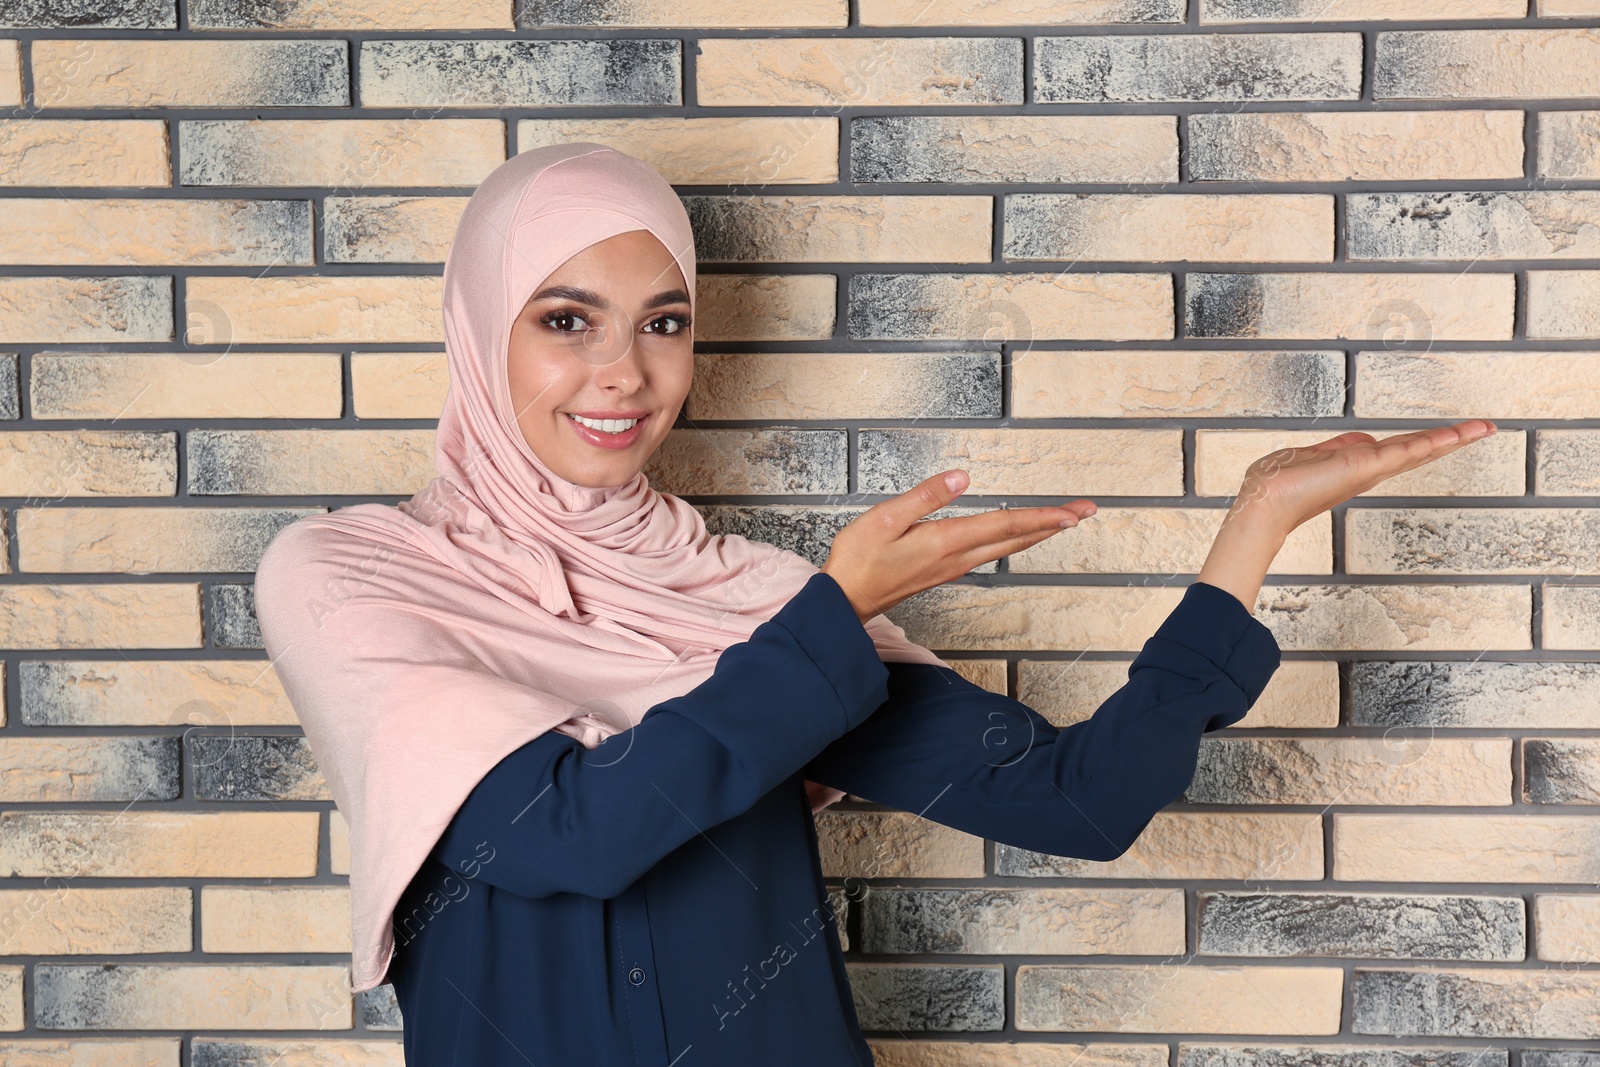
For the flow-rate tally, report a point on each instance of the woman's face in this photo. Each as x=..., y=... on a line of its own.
x=607, y=336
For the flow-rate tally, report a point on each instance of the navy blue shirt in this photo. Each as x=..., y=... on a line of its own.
x=658, y=900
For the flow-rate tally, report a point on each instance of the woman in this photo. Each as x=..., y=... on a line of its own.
x=538, y=896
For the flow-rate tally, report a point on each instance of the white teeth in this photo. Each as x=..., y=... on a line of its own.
x=604, y=425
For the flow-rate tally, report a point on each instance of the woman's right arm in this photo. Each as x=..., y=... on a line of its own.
x=561, y=817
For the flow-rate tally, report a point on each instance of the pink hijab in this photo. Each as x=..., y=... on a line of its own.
x=420, y=644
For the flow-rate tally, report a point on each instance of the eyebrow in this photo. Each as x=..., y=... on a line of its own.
x=593, y=299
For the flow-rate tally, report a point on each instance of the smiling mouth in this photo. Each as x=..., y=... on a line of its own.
x=616, y=427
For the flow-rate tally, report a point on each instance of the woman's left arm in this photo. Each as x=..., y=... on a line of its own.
x=961, y=755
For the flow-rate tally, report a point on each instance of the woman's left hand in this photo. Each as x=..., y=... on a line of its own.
x=1287, y=487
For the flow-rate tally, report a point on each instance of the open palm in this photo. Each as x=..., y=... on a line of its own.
x=1295, y=484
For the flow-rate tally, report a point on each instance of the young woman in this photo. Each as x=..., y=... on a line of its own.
x=538, y=894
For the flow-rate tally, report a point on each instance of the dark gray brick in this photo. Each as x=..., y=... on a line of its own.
x=1561, y=770
x=231, y=616
x=1314, y=1056
x=943, y=997
x=379, y=1010
x=1221, y=66
x=1363, y=926
x=548, y=73
x=230, y=766
x=1482, y=1003
x=83, y=14
x=1478, y=693
x=10, y=395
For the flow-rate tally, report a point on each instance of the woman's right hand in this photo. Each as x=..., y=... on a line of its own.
x=887, y=554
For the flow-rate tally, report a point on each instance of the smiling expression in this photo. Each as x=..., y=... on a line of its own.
x=608, y=335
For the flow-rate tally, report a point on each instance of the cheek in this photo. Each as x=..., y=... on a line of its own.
x=538, y=380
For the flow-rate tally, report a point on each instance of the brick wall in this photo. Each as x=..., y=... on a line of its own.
x=1102, y=248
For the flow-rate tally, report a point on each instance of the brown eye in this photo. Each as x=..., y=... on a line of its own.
x=679, y=324
x=552, y=317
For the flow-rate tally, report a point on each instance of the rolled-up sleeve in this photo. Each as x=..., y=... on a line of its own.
x=961, y=755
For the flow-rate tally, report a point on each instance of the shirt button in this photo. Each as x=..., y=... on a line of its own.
x=636, y=976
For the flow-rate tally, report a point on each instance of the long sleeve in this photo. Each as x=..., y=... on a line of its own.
x=559, y=817
x=985, y=763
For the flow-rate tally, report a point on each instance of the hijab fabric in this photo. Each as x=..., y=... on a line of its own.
x=422, y=643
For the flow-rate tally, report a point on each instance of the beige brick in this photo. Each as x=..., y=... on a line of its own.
x=1162, y=383
x=986, y=618
x=1016, y=13
x=338, y=842
x=707, y=150
x=341, y=153
x=385, y=16
x=764, y=307
x=73, y=1052
x=396, y=309
x=1492, y=385
x=398, y=385
x=1398, y=617
x=1566, y=463
x=1571, y=616
x=1014, y=148
x=187, y=385
x=903, y=1052
x=1569, y=144
x=159, y=844
x=1357, y=145
x=274, y=918
x=1108, y=306
x=750, y=461
x=855, y=229
x=1390, y=307
x=1194, y=845
x=1163, y=541
x=86, y=309
x=994, y=921
x=1486, y=64
x=837, y=72
x=1490, y=466
x=156, y=540
x=894, y=844
x=192, y=996
x=1472, y=541
x=67, y=463
x=1171, y=999
x=1165, y=227
x=1357, y=10
x=1567, y=927
x=320, y=462
x=123, y=233
x=10, y=73
x=64, y=920
x=1465, y=848
x=83, y=152
x=1302, y=694
x=1567, y=8
x=11, y=1011
x=78, y=769
x=148, y=74
x=1045, y=462
x=1353, y=770
x=844, y=385
x=391, y=229
x=1564, y=303
x=100, y=615
x=338, y=1052
x=124, y=692
x=699, y=14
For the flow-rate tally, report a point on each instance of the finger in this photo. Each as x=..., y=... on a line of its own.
x=1333, y=444
x=967, y=533
x=1404, y=452
x=927, y=496
x=988, y=553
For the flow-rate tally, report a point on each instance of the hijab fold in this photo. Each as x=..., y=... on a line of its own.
x=421, y=644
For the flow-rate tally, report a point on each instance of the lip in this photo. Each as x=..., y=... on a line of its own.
x=635, y=414
x=612, y=442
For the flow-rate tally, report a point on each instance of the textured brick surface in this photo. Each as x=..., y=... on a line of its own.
x=1110, y=249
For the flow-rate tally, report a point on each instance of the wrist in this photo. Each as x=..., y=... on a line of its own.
x=1244, y=549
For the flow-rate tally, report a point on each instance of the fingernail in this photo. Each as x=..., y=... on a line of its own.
x=1067, y=522
x=953, y=480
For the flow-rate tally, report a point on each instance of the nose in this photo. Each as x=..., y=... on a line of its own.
x=615, y=356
